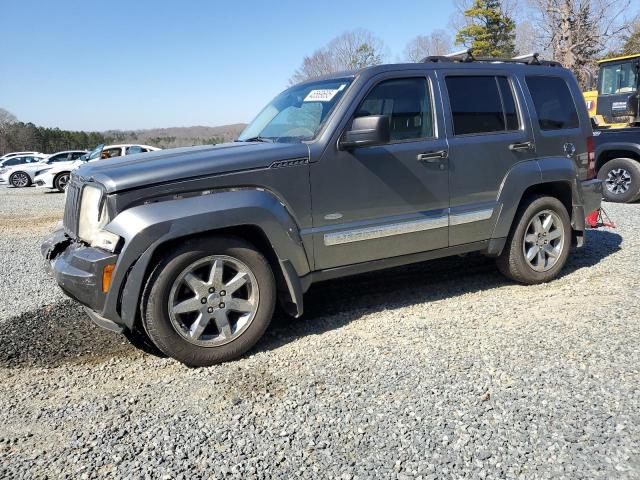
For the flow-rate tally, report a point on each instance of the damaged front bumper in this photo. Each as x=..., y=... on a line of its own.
x=78, y=270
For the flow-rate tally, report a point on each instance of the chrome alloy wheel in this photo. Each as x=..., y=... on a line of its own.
x=63, y=181
x=19, y=179
x=213, y=301
x=543, y=241
x=618, y=181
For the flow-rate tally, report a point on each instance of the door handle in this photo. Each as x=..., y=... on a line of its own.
x=432, y=157
x=522, y=147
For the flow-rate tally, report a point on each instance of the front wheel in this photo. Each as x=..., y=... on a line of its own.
x=20, y=180
x=621, y=177
x=209, y=300
x=61, y=181
x=539, y=242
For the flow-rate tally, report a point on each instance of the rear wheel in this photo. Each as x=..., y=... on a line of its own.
x=61, y=181
x=209, y=301
x=539, y=242
x=20, y=179
x=621, y=177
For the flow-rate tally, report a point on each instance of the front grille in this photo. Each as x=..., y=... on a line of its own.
x=72, y=209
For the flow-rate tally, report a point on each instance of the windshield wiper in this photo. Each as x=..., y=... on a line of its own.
x=259, y=139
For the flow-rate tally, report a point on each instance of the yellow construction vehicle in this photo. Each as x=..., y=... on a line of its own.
x=614, y=101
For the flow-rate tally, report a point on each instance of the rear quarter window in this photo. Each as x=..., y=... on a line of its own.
x=553, y=102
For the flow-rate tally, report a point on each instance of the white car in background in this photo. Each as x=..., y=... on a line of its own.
x=22, y=175
x=7, y=156
x=58, y=176
x=14, y=164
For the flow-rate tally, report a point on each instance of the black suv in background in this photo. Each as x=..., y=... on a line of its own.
x=189, y=249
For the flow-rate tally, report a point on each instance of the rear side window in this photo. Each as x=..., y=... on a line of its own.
x=406, y=102
x=553, y=102
x=481, y=104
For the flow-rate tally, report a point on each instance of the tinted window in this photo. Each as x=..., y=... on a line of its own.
x=13, y=161
x=75, y=155
x=406, y=102
x=475, y=105
x=554, y=103
x=508, y=104
x=61, y=157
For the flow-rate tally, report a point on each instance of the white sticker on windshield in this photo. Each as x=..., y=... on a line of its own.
x=322, y=95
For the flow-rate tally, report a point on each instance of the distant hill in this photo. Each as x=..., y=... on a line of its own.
x=176, y=136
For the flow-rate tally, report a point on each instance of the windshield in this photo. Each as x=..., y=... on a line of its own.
x=297, y=114
x=95, y=153
x=620, y=78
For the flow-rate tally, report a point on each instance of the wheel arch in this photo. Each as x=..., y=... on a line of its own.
x=555, y=177
x=610, y=154
x=254, y=215
x=30, y=180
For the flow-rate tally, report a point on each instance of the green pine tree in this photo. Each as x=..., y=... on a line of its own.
x=490, y=32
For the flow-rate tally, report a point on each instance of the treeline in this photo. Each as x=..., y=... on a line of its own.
x=26, y=136
x=20, y=136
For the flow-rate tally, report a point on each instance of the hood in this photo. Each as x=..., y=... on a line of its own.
x=163, y=166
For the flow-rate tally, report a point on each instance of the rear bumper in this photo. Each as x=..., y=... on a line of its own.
x=77, y=269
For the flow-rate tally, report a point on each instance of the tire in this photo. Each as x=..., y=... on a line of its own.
x=20, y=179
x=513, y=262
x=60, y=182
x=227, y=333
x=140, y=340
x=621, y=177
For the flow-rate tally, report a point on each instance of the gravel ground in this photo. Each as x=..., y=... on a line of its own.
x=439, y=370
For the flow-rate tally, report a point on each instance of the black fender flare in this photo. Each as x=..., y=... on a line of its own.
x=145, y=228
x=632, y=148
x=527, y=174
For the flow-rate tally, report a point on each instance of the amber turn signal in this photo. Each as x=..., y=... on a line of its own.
x=107, y=273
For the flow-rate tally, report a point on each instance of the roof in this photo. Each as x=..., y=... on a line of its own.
x=615, y=59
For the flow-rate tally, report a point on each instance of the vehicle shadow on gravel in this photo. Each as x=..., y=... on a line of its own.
x=335, y=303
x=62, y=333
x=55, y=334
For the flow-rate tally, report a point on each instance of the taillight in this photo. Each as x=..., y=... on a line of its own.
x=591, y=159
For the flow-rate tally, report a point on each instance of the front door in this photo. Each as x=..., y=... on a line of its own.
x=384, y=201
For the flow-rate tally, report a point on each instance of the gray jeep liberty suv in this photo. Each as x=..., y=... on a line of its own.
x=186, y=250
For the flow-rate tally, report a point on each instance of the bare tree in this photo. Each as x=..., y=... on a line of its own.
x=351, y=50
x=6, y=120
x=437, y=43
x=575, y=31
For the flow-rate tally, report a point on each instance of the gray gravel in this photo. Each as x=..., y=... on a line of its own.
x=439, y=370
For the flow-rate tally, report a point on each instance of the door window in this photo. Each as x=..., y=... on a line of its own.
x=61, y=157
x=553, y=102
x=135, y=149
x=407, y=104
x=111, y=152
x=481, y=104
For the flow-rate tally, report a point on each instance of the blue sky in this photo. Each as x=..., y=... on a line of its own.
x=97, y=65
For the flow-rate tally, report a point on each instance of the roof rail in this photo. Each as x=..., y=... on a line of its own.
x=465, y=56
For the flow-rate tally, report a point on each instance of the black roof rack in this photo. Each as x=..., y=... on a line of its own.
x=466, y=56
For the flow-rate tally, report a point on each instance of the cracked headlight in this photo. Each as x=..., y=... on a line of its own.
x=93, y=217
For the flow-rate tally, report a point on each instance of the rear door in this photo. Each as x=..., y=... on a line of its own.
x=488, y=134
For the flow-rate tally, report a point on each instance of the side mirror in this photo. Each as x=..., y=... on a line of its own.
x=367, y=131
